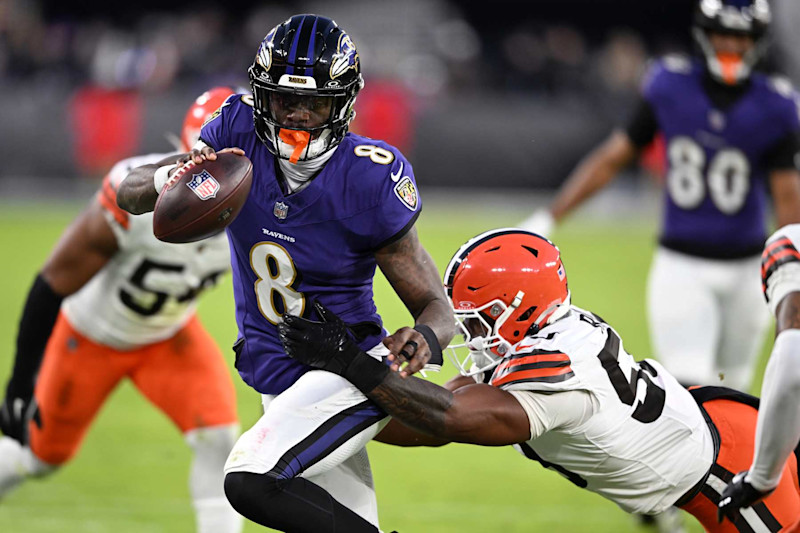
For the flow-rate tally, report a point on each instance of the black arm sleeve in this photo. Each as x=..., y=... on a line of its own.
x=642, y=127
x=35, y=326
x=781, y=155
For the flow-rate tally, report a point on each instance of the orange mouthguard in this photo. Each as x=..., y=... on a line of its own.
x=730, y=64
x=298, y=139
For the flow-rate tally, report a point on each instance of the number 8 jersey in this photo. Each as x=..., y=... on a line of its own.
x=721, y=143
x=147, y=291
x=624, y=429
x=315, y=243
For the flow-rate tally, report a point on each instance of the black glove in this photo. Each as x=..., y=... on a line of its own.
x=327, y=345
x=739, y=493
x=18, y=409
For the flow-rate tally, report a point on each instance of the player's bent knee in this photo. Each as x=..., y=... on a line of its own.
x=216, y=439
x=250, y=493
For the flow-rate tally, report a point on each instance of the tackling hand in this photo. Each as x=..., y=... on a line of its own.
x=18, y=409
x=739, y=493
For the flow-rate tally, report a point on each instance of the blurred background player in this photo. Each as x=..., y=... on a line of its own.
x=326, y=207
x=778, y=429
x=113, y=302
x=554, y=381
x=731, y=137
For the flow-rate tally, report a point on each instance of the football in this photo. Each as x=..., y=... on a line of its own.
x=200, y=200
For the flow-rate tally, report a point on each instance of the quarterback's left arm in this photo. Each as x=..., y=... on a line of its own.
x=785, y=187
x=414, y=277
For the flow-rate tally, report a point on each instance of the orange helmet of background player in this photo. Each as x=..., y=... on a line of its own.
x=503, y=285
x=202, y=108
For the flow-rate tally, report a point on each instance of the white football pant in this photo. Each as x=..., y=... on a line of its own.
x=317, y=429
x=707, y=317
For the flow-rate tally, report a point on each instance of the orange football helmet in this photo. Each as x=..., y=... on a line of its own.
x=202, y=108
x=503, y=285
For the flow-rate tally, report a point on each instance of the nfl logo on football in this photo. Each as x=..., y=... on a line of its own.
x=204, y=185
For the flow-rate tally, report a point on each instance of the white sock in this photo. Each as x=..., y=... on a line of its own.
x=211, y=447
x=215, y=515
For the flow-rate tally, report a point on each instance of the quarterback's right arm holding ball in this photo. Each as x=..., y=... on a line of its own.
x=778, y=428
x=139, y=191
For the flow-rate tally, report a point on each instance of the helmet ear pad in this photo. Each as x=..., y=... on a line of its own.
x=307, y=55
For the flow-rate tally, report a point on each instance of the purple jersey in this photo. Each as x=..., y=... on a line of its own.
x=318, y=243
x=716, y=186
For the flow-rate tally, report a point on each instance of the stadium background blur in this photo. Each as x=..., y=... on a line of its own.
x=493, y=103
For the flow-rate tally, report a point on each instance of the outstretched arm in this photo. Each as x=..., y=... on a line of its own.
x=597, y=169
x=477, y=413
x=398, y=434
x=414, y=277
x=474, y=414
x=594, y=172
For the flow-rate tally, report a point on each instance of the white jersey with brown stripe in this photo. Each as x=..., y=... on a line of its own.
x=147, y=291
x=646, y=442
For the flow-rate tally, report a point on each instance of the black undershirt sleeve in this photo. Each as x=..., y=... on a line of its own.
x=642, y=127
x=783, y=154
x=38, y=318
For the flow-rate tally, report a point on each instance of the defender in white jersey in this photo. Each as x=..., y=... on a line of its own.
x=554, y=381
x=113, y=302
x=778, y=428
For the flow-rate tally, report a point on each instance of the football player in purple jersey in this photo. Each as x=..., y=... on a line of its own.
x=326, y=207
x=731, y=142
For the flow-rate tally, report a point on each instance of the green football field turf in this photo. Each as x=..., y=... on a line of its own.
x=130, y=475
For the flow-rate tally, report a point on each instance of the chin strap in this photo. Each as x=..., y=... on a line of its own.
x=298, y=139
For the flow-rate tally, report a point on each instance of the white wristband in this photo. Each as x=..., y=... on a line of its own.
x=161, y=176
